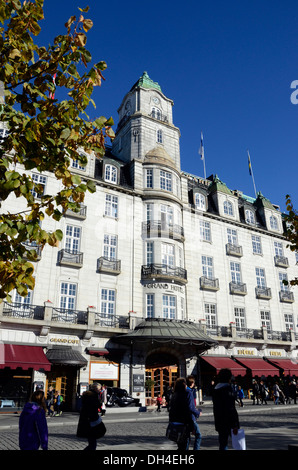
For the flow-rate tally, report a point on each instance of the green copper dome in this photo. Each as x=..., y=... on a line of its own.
x=146, y=82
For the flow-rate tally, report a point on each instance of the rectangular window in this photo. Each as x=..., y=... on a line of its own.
x=232, y=236
x=41, y=181
x=149, y=178
x=210, y=315
x=205, y=231
x=150, y=305
x=110, y=247
x=278, y=249
x=111, y=207
x=76, y=164
x=169, y=306
x=165, y=180
x=149, y=211
x=73, y=239
x=260, y=275
x=235, y=272
x=256, y=245
x=168, y=255
x=207, y=267
x=166, y=214
x=149, y=253
x=68, y=293
x=239, y=317
x=289, y=321
x=283, y=277
x=265, y=319
x=108, y=302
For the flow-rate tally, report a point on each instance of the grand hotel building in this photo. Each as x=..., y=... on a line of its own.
x=160, y=274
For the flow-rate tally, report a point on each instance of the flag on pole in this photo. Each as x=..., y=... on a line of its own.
x=201, y=149
x=249, y=164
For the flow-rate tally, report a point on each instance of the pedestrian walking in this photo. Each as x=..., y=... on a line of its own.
x=182, y=412
x=224, y=409
x=190, y=381
x=33, y=428
x=103, y=398
x=57, y=404
x=90, y=424
x=276, y=393
x=255, y=392
x=50, y=401
x=263, y=393
x=293, y=391
x=158, y=402
x=240, y=395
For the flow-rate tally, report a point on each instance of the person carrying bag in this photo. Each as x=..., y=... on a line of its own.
x=90, y=424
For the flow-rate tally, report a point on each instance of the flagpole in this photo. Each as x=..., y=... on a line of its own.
x=251, y=172
x=202, y=153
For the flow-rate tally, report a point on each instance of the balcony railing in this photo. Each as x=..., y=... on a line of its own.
x=238, y=288
x=32, y=247
x=109, y=265
x=81, y=213
x=209, y=284
x=286, y=296
x=234, y=250
x=109, y=319
x=70, y=258
x=263, y=293
x=281, y=261
x=69, y=316
x=157, y=228
x=20, y=310
x=160, y=271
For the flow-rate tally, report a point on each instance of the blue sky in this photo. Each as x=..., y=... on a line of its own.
x=227, y=65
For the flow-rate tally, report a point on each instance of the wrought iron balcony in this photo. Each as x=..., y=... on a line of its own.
x=286, y=296
x=281, y=261
x=70, y=258
x=70, y=316
x=238, y=288
x=21, y=310
x=158, y=228
x=234, y=250
x=160, y=271
x=33, y=248
x=77, y=214
x=263, y=293
x=109, y=265
x=209, y=284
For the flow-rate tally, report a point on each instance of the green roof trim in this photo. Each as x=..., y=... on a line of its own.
x=218, y=185
x=146, y=82
x=263, y=201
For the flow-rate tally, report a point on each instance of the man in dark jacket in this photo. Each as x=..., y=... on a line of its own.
x=89, y=414
x=224, y=410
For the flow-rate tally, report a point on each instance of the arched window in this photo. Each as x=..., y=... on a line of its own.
x=200, y=202
x=228, y=208
x=159, y=136
x=111, y=173
x=249, y=216
x=156, y=113
x=273, y=222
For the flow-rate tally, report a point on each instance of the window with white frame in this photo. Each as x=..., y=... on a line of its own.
x=169, y=306
x=149, y=211
x=24, y=302
x=261, y=280
x=205, y=231
x=182, y=308
x=149, y=178
x=156, y=113
x=149, y=253
x=228, y=208
x=207, y=267
x=41, y=181
x=239, y=313
x=266, y=319
x=110, y=247
x=273, y=222
x=76, y=164
x=111, y=173
x=256, y=245
x=278, y=249
x=289, y=321
x=210, y=315
x=68, y=294
x=283, y=277
x=108, y=302
x=73, y=239
x=159, y=136
x=249, y=216
x=200, y=201
x=165, y=180
x=150, y=305
x=167, y=214
x=235, y=272
x=111, y=206
x=168, y=255
x=232, y=236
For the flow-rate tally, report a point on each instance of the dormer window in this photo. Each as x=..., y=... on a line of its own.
x=228, y=208
x=273, y=222
x=156, y=113
x=200, y=202
x=249, y=216
x=111, y=174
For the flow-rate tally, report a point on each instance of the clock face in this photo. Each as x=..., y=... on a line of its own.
x=155, y=100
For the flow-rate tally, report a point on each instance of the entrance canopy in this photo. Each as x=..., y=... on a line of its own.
x=258, y=366
x=289, y=367
x=225, y=363
x=66, y=356
x=26, y=357
x=165, y=331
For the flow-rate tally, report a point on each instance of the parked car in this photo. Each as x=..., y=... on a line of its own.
x=119, y=397
x=7, y=403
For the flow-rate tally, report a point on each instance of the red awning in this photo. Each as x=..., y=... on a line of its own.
x=26, y=357
x=258, y=366
x=289, y=367
x=225, y=363
x=97, y=351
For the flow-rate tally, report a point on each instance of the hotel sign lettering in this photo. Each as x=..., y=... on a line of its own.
x=163, y=285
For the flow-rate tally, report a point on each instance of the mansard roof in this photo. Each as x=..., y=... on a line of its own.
x=146, y=82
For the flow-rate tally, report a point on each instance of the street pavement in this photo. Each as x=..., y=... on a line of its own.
x=267, y=427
